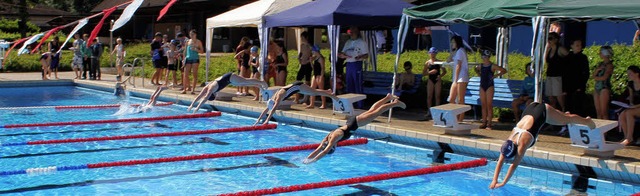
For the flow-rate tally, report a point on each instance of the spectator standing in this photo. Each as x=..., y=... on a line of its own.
x=244, y=55
x=271, y=72
x=77, y=55
x=555, y=60
x=575, y=79
x=156, y=58
x=355, y=52
x=182, y=42
x=192, y=61
x=318, y=76
x=602, y=87
x=281, y=63
x=434, y=81
x=304, y=58
x=172, y=59
x=460, y=76
x=86, y=56
x=96, y=53
x=487, y=70
x=166, y=44
x=240, y=49
x=54, y=46
x=255, y=73
x=119, y=52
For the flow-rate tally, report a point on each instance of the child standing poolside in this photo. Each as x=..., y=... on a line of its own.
x=434, y=82
x=172, y=65
x=487, y=70
x=119, y=51
x=255, y=74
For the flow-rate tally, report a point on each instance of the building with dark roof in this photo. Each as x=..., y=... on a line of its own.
x=39, y=14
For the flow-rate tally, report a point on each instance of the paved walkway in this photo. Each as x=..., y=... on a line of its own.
x=411, y=120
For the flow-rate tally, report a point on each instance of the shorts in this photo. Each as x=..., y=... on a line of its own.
x=76, y=63
x=158, y=64
x=120, y=61
x=55, y=61
x=304, y=72
x=172, y=67
x=192, y=61
x=553, y=86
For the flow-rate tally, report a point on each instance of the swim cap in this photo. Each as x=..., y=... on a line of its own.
x=486, y=53
x=433, y=50
x=315, y=48
x=254, y=49
x=508, y=149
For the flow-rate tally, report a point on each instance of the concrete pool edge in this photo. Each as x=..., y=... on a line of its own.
x=581, y=165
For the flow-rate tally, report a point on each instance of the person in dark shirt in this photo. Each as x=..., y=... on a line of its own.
x=576, y=74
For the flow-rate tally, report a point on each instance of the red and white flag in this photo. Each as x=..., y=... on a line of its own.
x=105, y=15
x=75, y=30
x=29, y=41
x=166, y=9
x=127, y=14
x=45, y=37
x=15, y=43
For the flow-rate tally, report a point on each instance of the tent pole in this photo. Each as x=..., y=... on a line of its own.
x=402, y=32
x=208, y=39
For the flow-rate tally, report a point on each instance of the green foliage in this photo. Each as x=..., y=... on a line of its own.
x=31, y=62
x=11, y=26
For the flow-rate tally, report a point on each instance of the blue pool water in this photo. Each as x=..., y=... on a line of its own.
x=224, y=175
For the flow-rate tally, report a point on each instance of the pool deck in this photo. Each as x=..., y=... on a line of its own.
x=551, y=151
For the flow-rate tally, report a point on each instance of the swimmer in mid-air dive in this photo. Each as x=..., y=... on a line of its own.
x=288, y=91
x=209, y=91
x=152, y=100
x=328, y=144
x=525, y=134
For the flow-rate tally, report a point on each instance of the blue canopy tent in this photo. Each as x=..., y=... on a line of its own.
x=366, y=14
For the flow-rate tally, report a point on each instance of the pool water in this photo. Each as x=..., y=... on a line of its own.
x=222, y=175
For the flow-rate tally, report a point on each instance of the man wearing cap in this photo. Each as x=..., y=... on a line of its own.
x=354, y=51
x=525, y=134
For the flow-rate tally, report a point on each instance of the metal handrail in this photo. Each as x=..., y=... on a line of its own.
x=134, y=65
x=130, y=74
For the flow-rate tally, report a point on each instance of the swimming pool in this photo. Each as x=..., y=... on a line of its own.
x=222, y=175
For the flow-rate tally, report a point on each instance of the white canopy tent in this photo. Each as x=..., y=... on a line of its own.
x=250, y=15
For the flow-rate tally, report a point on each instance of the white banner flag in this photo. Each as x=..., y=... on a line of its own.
x=126, y=14
x=28, y=42
x=79, y=26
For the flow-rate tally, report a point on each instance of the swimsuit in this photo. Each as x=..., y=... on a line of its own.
x=539, y=113
x=222, y=83
x=634, y=93
x=486, y=77
x=304, y=72
x=434, y=77
x=292, y=89
x=317, y=68
x=352, y=125
x=245, y=60
x=605, y=84
x=253, y=68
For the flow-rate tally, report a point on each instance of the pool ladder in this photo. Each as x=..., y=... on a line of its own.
x=133, y=68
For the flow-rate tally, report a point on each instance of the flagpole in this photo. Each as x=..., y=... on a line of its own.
x=111, y=43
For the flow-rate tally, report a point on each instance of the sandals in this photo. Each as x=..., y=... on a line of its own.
x=483, y=125
x=488, y=127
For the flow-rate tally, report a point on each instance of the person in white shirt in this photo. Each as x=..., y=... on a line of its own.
x=354, y=51
x=460, y=76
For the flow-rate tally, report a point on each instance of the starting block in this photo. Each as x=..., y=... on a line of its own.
x=593, y=141
x=344, y=104
x=445, y=116
x=222, y=96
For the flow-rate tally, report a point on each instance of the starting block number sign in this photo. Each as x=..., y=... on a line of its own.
x=340, y=106
x=583, y=136
x=446, y=115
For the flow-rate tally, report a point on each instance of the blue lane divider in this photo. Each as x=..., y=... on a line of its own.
x=15, y=144
x=41, y=170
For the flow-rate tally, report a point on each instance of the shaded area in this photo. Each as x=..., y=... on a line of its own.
x=271, y=161
x=152, y=125
x=368, y=190
x=200, y=141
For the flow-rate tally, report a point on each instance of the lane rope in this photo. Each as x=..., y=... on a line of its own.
x=364, y=179
x=79, y=106
x=146, y=135
x=68, y=107
x=52, y=169
x=184, y=116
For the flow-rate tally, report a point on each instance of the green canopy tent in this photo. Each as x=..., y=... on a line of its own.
x=586, y=10
x=482, y=13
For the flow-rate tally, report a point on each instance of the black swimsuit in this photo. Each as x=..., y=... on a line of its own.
x=280, y=60
x=224, y=81
x=254, y=69
x=352, y=125
x=539, y=113
x=317, y=68
x=292, y=89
